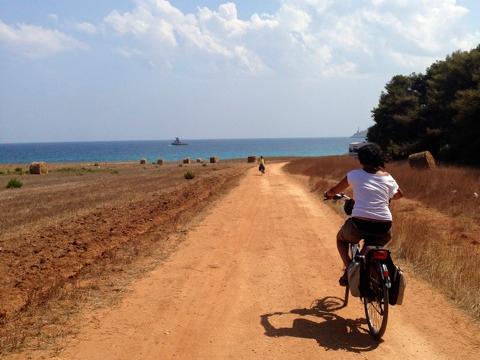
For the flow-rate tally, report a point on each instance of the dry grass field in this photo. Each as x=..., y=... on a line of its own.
x=436, y=227
x=62, y=233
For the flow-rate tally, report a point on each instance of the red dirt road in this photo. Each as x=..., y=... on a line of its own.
x=257, y=279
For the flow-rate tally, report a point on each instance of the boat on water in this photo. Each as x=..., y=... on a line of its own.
x=178, y=142
x=360, y=134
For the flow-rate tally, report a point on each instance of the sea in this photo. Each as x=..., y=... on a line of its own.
x=109, y=151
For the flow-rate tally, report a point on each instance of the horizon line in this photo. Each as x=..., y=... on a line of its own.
x=171, y=139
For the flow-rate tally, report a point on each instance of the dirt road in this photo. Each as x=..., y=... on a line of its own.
x=257, y=279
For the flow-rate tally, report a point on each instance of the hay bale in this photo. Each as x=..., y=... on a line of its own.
x=199, y=160
x=186, y=160
x=160, y=162
x=214, y=159
x=252, y=159
x=38, y=168
x=422, y=160
x=143, y=161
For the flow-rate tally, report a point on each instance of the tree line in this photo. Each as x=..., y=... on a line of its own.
x=437, y=111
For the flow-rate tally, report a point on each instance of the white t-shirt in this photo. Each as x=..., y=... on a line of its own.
x=372, y=194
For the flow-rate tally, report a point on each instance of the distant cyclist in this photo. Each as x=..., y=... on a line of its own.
x=373, y=188
x=261, y=165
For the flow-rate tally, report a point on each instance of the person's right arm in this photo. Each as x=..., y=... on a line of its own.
x=342, y=185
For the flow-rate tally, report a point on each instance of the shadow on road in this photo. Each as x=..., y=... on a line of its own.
x=333, y=332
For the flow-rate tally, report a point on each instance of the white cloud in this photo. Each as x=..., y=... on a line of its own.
x=137, y=22
x=423, y=24
x=467, y=42
x=86, y=27
x=35, y=41
x=303, y=37
x=248, y=60
x=129, y=52
x=410, y=61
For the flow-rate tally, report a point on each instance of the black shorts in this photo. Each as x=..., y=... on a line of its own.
x=373, y=232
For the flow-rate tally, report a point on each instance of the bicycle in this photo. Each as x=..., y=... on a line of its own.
x=374, y=281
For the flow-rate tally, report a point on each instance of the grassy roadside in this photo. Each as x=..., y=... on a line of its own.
x=436, y=227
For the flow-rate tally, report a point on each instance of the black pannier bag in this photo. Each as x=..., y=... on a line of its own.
x=396, y=292
x=399, y=283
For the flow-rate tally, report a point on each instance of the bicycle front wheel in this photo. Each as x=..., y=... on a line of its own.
x=376, y=304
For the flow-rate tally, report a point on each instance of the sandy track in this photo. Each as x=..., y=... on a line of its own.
x=257, y=279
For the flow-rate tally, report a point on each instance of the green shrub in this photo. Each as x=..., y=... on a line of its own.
x=19, y=170
x=189, y=175
x=114, y=172
x=14, y=184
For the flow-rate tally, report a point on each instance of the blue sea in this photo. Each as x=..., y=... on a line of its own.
x=162, y=149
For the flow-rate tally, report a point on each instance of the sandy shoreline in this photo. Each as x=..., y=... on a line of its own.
x=120, y=164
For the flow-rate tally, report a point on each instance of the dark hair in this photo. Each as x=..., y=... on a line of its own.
x=371, y=155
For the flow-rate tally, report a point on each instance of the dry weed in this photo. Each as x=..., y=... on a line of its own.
x=436, y=228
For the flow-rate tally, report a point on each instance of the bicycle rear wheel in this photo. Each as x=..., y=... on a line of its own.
x=376, y=303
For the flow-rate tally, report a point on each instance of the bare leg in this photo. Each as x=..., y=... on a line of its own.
x=342, y=247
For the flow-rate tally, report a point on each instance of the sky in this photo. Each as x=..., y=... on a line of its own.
x=154, y=69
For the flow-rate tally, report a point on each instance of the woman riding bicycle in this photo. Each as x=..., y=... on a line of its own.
x=373, y=188
x=261, y=164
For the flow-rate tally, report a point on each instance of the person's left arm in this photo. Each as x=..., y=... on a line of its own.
x=398, y=195
x=342, y=185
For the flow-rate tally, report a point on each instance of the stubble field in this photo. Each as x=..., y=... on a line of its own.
x=61, y=233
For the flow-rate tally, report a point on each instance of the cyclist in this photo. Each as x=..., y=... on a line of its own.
x=373, y=189
x=261, y=166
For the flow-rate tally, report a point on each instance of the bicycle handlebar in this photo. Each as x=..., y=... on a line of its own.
x=335, y=197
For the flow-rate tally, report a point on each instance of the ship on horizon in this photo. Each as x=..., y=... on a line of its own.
x=178, y=142
x=360, y=134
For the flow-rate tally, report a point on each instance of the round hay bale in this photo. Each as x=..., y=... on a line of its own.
x=186, y=160
x=214, y=159
x=143, y=161
x=38, y=168
x=199, y=160
x=422, y=160
x=160, y=162
x=252, y=159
